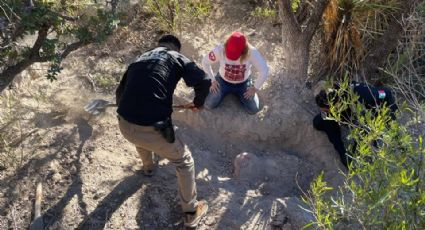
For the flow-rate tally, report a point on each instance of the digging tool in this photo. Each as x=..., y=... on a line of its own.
x=37, y=223
x=97, y=106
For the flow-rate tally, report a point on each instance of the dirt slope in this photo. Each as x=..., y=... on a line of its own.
x=91, y=174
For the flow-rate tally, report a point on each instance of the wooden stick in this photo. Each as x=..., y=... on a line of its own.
x=38, y=224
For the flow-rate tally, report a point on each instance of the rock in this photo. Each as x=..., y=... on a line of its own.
x=73, y=170
x=54, y=166
x=245, y=165
x=210, y=221
x=290, y=208
x=57, y=177
x=241, y=200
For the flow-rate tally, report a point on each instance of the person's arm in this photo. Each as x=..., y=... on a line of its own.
x=120, y=90
x=212, y=57
x=196, y=78
x=261, y=66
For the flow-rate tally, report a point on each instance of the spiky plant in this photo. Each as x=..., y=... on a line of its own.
x=350, y=27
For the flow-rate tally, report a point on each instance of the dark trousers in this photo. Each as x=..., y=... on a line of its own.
x=333, y=131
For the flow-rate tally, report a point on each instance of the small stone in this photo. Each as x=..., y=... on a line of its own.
x=90, y=148
x=54, y=166
x=210, y=221
x=96, y=196
x=56, y=177
x=73, y=169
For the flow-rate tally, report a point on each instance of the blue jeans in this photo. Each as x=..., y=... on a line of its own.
x=213, y=100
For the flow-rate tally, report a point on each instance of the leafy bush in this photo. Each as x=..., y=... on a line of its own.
x=60, y=27
x=384, y=188
x=264, y=12
x=171, y=13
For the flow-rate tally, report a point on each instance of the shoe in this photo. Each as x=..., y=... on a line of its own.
x=192, y=220
x=148, y=171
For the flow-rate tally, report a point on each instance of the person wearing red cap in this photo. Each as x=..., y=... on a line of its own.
x=236, y=57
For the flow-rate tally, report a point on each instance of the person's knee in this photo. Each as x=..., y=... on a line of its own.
x=182, y=157
x=210, y=105
x=252, y=106
x=185, y=162
x=213, y=100
x=252, y=110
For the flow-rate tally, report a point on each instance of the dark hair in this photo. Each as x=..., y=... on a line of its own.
x=322, y=99
x=168, y=38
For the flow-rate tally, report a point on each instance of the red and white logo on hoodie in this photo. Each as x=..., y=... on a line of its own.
x=211, y=56
x=234, y=72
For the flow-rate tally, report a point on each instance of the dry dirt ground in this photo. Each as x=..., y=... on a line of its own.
x=91, y=175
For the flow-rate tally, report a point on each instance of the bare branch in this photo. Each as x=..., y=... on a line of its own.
x=7, y=76
x=42, y=35
x=66, y=17
x=302, y=12
x=318, y=7
x=287, y=17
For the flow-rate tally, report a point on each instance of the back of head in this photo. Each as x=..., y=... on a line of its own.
x=322, y=99
x=170, y=40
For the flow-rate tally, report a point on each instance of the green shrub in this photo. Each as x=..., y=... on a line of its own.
x=171, y=13
x=60, y=27
x=264, y=12
x=384, y=188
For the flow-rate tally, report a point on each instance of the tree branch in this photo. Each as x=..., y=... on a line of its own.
x=7, y=76
x=42, y=35
x=288, y=18
x=302, y=12
x=318, y=7
x=69, y=48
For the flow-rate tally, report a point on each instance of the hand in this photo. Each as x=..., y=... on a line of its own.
x=250, y=92
x=214, y=87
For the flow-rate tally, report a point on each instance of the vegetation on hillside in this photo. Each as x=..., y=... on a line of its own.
x=57, y=27
x=368, y=39
x=384, y=187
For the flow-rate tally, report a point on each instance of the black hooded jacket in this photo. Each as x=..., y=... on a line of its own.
x=145, y=93
x=372, y=97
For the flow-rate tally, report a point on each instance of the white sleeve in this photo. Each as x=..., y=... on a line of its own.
x=212, y=57
x=261, y=66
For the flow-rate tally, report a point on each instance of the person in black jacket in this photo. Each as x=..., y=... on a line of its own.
x=371, y=97
x=145, y=97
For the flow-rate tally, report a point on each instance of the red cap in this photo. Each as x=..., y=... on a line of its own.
x=235, y=45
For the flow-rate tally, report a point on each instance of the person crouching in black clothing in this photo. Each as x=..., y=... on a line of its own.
x=371, y=97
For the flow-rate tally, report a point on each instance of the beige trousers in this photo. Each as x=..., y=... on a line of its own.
x=148, y=141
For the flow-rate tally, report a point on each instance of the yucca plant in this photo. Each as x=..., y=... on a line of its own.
x=350, y=27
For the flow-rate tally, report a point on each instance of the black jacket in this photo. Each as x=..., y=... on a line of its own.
x=145, y=93
x=372, y=97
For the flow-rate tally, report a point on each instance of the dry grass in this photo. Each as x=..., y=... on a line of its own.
x=350, y=27
x=11, y=132
x=406, y=68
